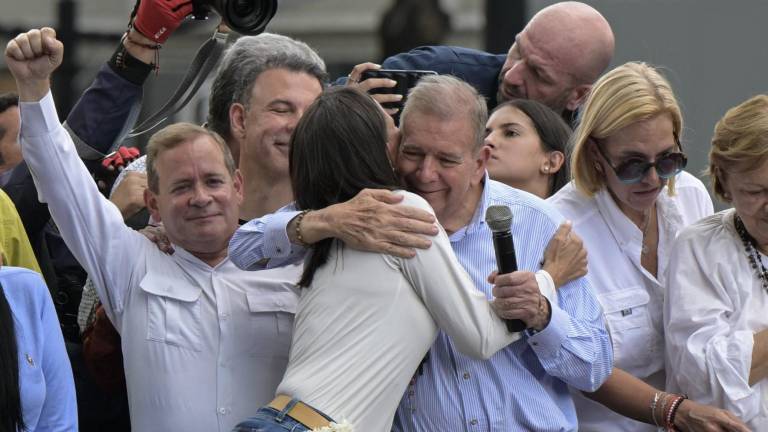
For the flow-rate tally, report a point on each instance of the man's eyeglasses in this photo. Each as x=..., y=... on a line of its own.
x=633, y=170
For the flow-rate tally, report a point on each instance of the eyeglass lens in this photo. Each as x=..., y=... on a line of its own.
x=666, y=166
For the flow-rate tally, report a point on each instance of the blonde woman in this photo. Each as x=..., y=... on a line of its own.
x=629, y=198
x=717, y=296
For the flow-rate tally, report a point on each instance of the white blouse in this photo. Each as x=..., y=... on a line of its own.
x=715, y=304
x=631, y=297
x=368, y=319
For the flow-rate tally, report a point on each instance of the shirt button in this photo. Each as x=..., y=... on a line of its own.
x=473, y=422
x=222, y=411
x=535, y=343
x=279, y=303
x=224, y=316
x=279, y=250
x=466, y=375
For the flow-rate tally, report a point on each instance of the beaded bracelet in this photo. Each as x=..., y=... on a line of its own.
x=299, y=237
x=670, y=417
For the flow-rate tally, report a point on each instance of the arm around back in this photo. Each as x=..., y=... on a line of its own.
x=458, y=308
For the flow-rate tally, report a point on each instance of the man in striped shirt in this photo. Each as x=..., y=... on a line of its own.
x=441, y=158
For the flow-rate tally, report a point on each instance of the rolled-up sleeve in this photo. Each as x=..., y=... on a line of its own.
x=263, y=243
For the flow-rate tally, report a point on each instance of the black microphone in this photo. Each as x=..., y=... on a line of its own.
x=499, y=220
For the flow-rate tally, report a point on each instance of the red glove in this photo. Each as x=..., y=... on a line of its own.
x=120, y=158
x=157, y=19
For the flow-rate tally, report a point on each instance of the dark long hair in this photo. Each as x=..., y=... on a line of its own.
x=554, y=133
x=11, y=419
x=337, y=149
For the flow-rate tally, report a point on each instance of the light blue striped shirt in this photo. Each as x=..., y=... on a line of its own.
x=523, y=387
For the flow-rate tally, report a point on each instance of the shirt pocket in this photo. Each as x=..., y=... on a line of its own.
x=173, y=312
x=635, y=341
x=271, y=318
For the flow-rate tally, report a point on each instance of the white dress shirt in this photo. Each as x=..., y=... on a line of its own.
x=368, y=319
x=631, y=297
x=203, y=346
x=715, y=304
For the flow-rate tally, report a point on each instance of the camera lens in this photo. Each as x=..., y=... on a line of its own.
x=249, y=16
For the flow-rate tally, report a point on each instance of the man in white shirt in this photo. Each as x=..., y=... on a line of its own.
x=203, y=342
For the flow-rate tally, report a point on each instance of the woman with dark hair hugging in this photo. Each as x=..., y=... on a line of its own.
x=37, y=392
x=365, y=320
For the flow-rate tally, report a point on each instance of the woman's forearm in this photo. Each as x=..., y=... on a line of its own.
x=759, y=369
x=626, y=395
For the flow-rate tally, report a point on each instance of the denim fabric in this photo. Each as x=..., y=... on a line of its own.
x=271, y=420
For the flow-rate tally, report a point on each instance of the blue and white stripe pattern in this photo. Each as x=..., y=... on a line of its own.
x=525, y=386
x=521, y=388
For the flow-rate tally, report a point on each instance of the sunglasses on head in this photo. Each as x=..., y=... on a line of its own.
x=633, y=170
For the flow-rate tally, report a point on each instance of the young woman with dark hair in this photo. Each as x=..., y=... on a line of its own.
x=529, y=147
x=332, y=164
x=365, y=320
x=37, y=392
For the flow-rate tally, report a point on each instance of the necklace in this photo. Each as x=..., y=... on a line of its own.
x=752, y=254
x=644, y=249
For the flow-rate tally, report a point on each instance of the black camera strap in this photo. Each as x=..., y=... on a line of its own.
x=205, y=61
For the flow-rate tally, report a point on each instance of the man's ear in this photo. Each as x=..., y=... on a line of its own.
x=237, y=115
x=237, y=181
x=150, y=201
x=482, y=163
x=577, y=96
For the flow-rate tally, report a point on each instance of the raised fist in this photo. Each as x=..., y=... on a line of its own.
x=31, y=58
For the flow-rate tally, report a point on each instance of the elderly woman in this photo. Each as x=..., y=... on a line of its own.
x=628, y=200
x=717, y=293
x=529, y=147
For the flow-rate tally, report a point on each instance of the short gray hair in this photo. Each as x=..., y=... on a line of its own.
x=245, y=61
x=447, y=98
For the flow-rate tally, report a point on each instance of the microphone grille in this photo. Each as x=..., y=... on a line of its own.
x=498, y=218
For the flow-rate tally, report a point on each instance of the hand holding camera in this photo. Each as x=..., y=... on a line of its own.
x=388, y=87
x=375, y=86
x=157, y=19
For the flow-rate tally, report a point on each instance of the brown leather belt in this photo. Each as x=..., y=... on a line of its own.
x=300, y=412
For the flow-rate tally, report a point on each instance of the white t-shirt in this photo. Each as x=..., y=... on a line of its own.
x=368, y=319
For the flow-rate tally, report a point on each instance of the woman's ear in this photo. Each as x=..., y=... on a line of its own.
x=595, y=155
x=553, y=161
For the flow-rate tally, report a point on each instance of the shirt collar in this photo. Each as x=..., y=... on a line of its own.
x=625, y=231
x=478, y=220
x=184, y=255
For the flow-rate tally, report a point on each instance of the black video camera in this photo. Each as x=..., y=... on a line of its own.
x=248, y=17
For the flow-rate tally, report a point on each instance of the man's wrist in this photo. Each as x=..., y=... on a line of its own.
x=124, y=62
x=140, y=47
x=33, y=90
x=544, y=314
